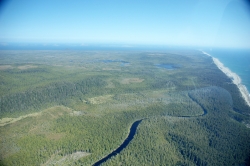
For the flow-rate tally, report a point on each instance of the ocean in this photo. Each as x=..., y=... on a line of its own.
x=237, y=60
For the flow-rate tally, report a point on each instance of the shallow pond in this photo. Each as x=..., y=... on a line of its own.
x=167, y=66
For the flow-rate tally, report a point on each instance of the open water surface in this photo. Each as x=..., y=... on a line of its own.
x=123, y=145
x=237, y=60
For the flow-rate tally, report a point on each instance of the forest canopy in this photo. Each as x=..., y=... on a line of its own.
x=76, y=107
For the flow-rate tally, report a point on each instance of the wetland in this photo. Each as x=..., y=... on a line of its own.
x=119, y=108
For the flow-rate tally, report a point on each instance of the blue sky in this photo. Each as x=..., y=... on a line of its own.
x=213, y=23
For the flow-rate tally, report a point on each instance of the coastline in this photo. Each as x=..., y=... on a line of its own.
x=234, y=77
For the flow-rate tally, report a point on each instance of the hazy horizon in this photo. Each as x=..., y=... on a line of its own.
x=207, y=23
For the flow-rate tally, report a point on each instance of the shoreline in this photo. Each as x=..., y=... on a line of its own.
x=234, y=77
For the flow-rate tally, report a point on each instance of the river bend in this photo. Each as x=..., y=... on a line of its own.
x=123, y=145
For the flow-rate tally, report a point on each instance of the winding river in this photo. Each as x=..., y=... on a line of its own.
x=132, y=132
x=123, y=145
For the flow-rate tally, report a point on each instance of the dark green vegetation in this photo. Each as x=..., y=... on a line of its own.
x=75, y=107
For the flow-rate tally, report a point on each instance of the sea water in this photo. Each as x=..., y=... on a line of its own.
x=237, y=60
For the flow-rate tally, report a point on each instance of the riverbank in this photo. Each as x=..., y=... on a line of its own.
x=123, y=145
x=234, y=77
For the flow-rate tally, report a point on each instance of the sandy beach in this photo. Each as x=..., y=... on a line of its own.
x=234, y=77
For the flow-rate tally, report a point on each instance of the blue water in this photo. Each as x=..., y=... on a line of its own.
x=166, y=66
x=238, y=61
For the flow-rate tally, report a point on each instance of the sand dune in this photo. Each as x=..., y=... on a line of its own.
x=234, y=77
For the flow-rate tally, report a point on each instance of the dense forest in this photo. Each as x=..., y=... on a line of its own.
x=76, y=107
